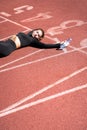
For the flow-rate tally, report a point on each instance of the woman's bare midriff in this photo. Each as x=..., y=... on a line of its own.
x=16, y=41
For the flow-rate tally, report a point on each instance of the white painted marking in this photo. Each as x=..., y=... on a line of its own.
x=65, y=25
x=39, y=60
x=43, y=90
x=79, y=49
x=9, y=63
x=3, y=19
x=39, y=16
x=39, y=101
x=65, y=50
x=5, y=14
x=35, y=61
x=84, y=42
x=44, y=99
x=21, y=9
x=16, y=23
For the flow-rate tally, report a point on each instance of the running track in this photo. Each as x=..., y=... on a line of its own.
x=44, y=89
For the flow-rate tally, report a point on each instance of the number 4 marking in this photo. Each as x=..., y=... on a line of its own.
x=21, y=9
x=39, y=16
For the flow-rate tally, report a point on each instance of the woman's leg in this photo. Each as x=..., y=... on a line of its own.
x=6, y=48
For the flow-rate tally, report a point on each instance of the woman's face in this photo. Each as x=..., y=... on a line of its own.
x=37, y=34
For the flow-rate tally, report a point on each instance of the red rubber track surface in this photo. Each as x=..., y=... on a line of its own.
x=44, y=89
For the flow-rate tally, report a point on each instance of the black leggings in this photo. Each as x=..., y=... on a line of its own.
x=6, y=47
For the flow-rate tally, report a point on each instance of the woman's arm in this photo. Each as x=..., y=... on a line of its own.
x=41, y=45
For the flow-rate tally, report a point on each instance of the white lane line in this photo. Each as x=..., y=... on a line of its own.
x=21, y=58
x=65, y=50
x=34, y=61
x=43, y=90
x=9, y=63
x=11, y=35
x=16, y=23
x=79, y=49
x=42, y=100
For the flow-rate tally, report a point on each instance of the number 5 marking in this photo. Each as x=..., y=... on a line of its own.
x=21, y=9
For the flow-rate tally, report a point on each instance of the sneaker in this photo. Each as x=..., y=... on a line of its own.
x=65, y=44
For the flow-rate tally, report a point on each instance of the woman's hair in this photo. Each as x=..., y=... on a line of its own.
x=41, y=31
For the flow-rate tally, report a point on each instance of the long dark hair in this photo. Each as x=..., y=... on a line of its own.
x=41, y=31
x=30, y=33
